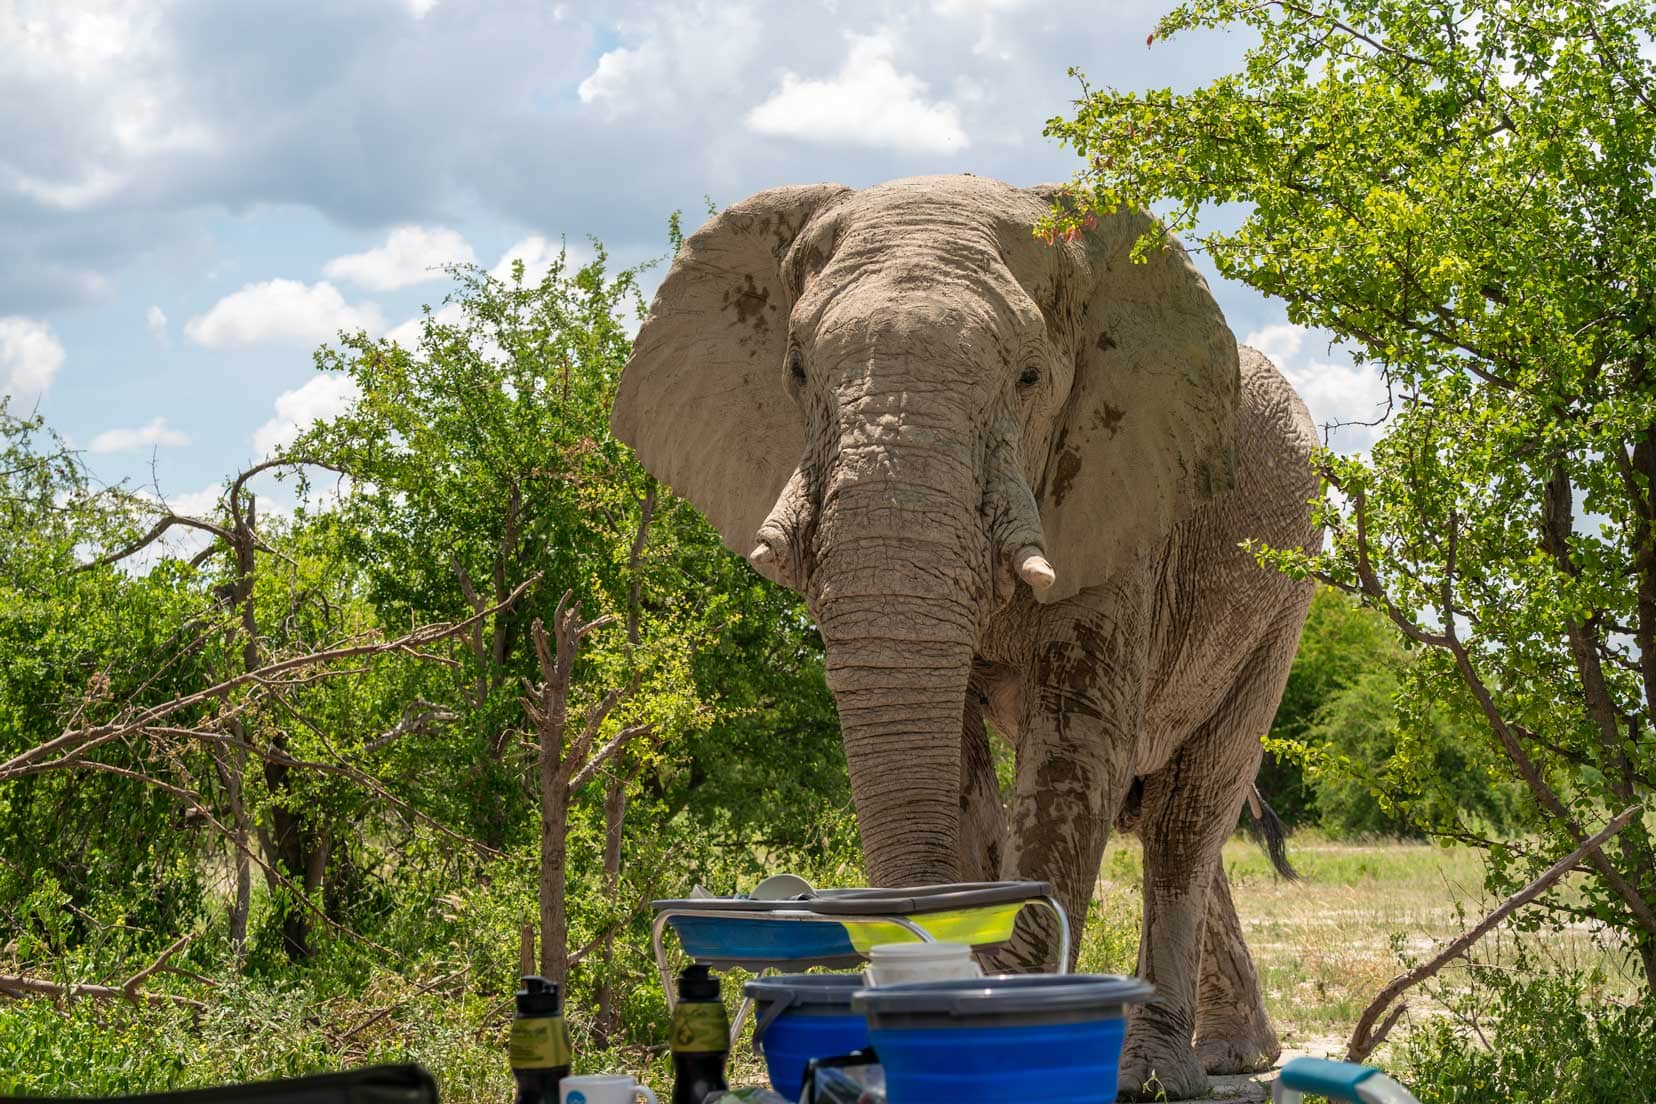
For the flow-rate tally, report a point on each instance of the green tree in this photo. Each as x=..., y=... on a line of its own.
x=1353, y=753
x=1340, y=642
x=482, y=458
x=113, y=853
x=1462, y=189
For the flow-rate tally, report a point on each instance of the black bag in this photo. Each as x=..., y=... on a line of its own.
x=375, y=1085
x=855, y=1078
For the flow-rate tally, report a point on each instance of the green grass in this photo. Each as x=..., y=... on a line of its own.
x=1324, y=946
x=1361, y=913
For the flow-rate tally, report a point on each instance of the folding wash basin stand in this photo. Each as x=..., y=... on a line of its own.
x=837, y=927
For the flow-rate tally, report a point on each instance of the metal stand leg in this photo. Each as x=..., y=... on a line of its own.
x=661, y=960
x=742, y=1012
x=1057, y=910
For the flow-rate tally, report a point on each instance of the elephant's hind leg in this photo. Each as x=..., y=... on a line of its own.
x=1232, y=1033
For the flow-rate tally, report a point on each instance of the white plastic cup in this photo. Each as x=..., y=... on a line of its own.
x=897, y=963
x=602, y=1088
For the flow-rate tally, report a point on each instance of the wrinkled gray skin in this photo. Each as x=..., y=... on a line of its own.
x=1010, y=480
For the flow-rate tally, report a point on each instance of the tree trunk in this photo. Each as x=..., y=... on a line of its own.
x=554, y=934
x=230, y=763
x=615, y=812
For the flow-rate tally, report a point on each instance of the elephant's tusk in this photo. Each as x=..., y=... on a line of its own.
x=762, y=554
x=1033, y=568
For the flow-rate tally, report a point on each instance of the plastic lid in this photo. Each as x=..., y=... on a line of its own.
x=538, y=997
x=696, y=984
x=991, y=996
x=818, y=989
x=923, y=952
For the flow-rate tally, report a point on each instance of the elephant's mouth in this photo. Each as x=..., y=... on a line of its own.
x=791, y=545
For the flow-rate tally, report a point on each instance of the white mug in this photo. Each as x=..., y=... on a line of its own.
x=897, y=963
x=602, y=1088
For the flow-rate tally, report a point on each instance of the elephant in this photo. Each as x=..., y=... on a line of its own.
x=1011, y=479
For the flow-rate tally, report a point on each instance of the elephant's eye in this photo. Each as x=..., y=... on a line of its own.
x=796, y=365
x=1031, y=376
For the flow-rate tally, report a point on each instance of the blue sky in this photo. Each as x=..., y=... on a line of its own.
x=195, y=193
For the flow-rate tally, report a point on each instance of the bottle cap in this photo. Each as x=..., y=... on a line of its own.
x=696, y=984
x=538, y=997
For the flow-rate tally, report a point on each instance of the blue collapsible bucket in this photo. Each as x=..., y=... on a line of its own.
x=1030, y=1037
x=803, y=1016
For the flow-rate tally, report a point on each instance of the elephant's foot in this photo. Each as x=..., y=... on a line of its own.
x=1237, y=1050
x=1155, y=1069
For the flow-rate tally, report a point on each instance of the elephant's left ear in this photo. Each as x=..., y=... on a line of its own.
x=1148, y=431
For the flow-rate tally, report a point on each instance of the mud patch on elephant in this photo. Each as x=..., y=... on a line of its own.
x=1109, y=418
x=1067, y=468
x=1105, y=343
x=750, y=302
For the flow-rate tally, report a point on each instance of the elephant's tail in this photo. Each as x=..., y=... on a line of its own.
x=1267, y=830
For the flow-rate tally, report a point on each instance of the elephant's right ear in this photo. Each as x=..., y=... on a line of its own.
x=1147, y=433
x=702, y=397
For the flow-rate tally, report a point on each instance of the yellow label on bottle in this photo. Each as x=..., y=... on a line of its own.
x=540, y=1042
x=700, y=1026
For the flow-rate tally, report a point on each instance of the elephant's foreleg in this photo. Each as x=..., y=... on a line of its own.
x=1080, y=719
x=1232, y=1033
x=1189, y=808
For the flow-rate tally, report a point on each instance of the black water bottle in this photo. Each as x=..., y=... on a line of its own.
x=540, y=1042
x=701, y=1037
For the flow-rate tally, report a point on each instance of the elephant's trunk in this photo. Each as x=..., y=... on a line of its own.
x=901, y=570
x=898, y=673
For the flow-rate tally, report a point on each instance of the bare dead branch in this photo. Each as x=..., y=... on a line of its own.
x=1366, y=1036
x=167, y=522
x=17, y=986
x=620, y=740
x=80, y=739
x=130, y=987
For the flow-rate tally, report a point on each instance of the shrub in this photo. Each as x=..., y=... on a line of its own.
x=1519, y=1038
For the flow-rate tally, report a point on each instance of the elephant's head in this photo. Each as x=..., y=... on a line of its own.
x=900, y=403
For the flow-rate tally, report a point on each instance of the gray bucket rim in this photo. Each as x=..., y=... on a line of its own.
x=1002, y=994
x=802, y=989
x=809, y=994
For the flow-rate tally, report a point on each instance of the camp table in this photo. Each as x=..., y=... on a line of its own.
x=836, y=928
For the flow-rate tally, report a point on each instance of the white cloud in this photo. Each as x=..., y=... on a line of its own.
x=1336, y=391
x=684, y=56
x=867, y=103
x=115, y=101
x=537, y=253
x=281, y=310
x=320, y=398
x=991, y=42
x=410, y=255
x=156, y=319
x=78, y=43
x=419, y=9
x=30, y=356
x=88, y=190
x=157, y=434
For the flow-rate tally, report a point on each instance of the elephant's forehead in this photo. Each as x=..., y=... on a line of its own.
x=974, y=217
x=961, y=207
